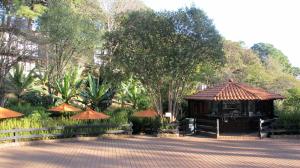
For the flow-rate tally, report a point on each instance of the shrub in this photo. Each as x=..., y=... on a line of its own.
x=38, y=117
x=289, y=111
x=146, y=125
x=120, y=115
x=289, y=120
x=36, y=98
x=292, y=101
x=26, y=108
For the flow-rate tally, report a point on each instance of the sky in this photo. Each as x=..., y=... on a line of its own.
x=270, y=21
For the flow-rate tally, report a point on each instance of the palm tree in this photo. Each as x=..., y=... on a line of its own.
x=20, y=82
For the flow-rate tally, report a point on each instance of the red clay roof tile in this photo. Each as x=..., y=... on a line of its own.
x=234, y=91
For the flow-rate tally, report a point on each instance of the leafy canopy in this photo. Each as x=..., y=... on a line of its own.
x=160, y=48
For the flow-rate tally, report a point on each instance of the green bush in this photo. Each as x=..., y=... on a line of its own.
x=39, y=117
x=292, y=101
x=36, y=98
x=289, y=110
x=289, y=120
x=26, y=108
x=145, y=125
x=119, y=115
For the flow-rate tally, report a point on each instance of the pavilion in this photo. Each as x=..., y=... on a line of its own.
x=238, y=106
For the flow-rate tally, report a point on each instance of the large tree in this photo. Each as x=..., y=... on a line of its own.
x=245, y=65
x=17, y=41
x=163, y=50
x=113, y=8
x=267, y=51
x=73, y=30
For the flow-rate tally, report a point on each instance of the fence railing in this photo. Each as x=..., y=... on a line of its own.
x=207, y=126
x=265, y=126
x=200, y=126
x=270, y=127
x=19, y=134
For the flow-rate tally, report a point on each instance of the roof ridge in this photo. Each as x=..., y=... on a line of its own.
x=255, y=95
x=226, y=85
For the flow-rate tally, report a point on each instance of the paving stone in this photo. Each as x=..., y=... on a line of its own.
x=151, y=152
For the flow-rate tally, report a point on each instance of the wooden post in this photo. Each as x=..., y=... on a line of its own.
x=260, y=128
x=15, y=137
x=130, y=128
x=194, y=126
x=218, y=129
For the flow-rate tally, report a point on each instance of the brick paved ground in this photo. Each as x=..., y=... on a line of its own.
x=147, y=152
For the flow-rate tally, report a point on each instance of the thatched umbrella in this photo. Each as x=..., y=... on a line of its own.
x=146, y=113
x=6, y=113
x=64, y=108
x=90, y=114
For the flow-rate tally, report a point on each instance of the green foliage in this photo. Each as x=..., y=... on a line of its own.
x=296, y=71
x=145, y=125
x=241, y=64
x=292, y=101
x=97, y=93
x=38, y=117
x=26, y=11
x=19, y=81
x=36, y=98
x=133, y=92
x=290, y=120
x=266, y=51
x=72, y=35
x=26, y=108
x=289, y=111
x=68, y=86
x=119, y=115
x=165, y=53
x=244, y=65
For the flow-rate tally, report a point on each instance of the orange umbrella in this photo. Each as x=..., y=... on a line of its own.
x=64, y=108
x=6, y=113
x=146, y=113
x=90, y=114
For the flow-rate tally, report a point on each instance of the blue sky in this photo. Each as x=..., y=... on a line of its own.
x=270, y=21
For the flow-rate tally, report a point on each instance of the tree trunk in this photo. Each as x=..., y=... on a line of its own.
x=170, y=98
x=2, y=92
x=157, y=101
x=2, y=97
x=172, y=101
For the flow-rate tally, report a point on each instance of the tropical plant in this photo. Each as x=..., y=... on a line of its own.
x=20, y=82
x=68, y=86
x=133, y=92
x=97, y=93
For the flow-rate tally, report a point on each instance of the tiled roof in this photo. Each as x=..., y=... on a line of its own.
x=90, y=114
x=146, y=113
x=64, y=108
x=234, y=91
x=6, y=113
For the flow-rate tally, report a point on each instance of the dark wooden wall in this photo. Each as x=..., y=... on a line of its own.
x=265, y=107
x=197, y=108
